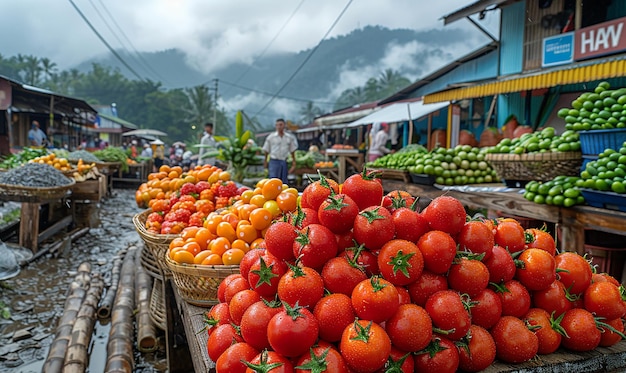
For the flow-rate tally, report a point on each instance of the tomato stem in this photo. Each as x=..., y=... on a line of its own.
x=263, y=366
x=603, y=326
x=317, y=364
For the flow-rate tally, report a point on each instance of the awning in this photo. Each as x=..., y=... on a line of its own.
x=399, y=112
x=473, y=8
x=575, y=74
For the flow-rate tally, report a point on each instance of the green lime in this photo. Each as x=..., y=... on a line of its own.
x=558, y=200
x=602, y=185
x=569, y=202
x=555, y=190
x=618, y=187
x=539, y=199
x=571, y=193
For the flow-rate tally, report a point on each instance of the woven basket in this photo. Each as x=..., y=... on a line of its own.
x=535, y=166
x=19, y=193
x=150, y=264
x=158, y=244
x=158, y=313
x=197, y=284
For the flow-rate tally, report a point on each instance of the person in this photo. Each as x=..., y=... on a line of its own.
x=158, y=153
x=147, y=151
x=207, y=141
x=36, y=136
x=378, y=146
x=277, y=147
x=133, y=149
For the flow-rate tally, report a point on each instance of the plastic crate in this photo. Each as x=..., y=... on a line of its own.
x=594, y=142
x=605, y=200
x=422, y=179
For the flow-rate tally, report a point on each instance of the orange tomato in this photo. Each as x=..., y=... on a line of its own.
x=287, y=201
x=232, y=256
x=212, y=222
x=224, y=175
x=212, y=260
x=231, y=218
x=247, y=233
x=258, y=200
x=203, y=236
x=272, y=206
x=241, y=245
x=183, y=256
x=272, y=188
x=189, y=232
x=219, y=245
x=177, y=242
x=164, y=168
x=201, y=256
x=254, y=244
x=261, y=218
x=245, y=210
x=246, y=195
x=224, y=229
x=193, y=247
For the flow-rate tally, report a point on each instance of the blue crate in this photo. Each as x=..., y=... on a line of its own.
x=605, y=200
x=594, y=142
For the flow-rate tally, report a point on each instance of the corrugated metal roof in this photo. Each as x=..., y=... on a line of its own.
x=473, y=8
x=120, y=121
x=573, y=74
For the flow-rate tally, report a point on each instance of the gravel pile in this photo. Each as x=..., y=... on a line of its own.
x=86, y=156
x=34, y=175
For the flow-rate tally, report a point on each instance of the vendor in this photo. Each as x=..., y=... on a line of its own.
x=378, y=145
x=277, y=147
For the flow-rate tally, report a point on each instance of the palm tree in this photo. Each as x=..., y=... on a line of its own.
x=372, y=89
x=31, y=69
x=309, y=112
x=49, y=68
x=200, y=106
x=391, y=81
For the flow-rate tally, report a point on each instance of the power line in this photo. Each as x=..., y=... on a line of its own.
x=308, y=57
x=272, y=94
x=105, y=42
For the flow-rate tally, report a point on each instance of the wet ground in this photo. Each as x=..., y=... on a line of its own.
x=35, y=298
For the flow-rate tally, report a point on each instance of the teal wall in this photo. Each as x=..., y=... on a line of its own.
x=512, y=38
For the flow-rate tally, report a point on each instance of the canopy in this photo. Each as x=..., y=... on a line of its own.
x=144, y=132
x=399, y=112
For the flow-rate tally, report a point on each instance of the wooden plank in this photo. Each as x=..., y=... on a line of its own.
x=29, y=225
x=54, y=229
x=179, y=359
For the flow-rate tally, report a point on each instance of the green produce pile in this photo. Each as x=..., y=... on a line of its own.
x=545, y=140
x=460, y=165
x=608, y=172
x=306, y=159
x=601, y=109
x=400, y=160
x=22, y=157
x=113, y=154
x=560, y=191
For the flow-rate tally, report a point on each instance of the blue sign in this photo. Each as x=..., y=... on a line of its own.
x=558, y=50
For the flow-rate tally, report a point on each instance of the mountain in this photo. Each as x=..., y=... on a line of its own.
x=339, y=63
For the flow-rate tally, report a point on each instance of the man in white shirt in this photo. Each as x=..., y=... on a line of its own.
x=277, y=147
x=378, y=147
x=207, y=141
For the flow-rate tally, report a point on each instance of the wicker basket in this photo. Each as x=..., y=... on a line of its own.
x=535, y=166
x=158, y=244
x=158, y=313
x=19, y=193
x=150, y=264
x=197, y=284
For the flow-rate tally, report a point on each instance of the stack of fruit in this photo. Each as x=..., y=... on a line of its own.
x=360, y=282
x=61, y=164
x=608, y=172
x=560, y=191
x=539, y=141
x=598, y=110
x=400, y=160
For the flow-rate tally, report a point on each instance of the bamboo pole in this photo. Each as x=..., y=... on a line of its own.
x=104, y=309
x=77, y=291
x=146, y=331
x=77, y=355
x=121, y=336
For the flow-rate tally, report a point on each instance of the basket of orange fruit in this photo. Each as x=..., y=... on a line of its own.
x=202, y=256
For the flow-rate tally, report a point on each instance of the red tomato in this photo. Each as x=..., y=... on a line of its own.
x=375, y=299
x=540, y=239
x=232, y=360
x=549, y=338
x=254, y=323
x=501, y=265
x=337, y=213
x=510, y=235
x=373, y=227
x=476, y=237
x=425, y=286
x=365, y=346
x=480, y=351
x=305, y=217
x=515, y=298
x=344, y=241
x=514, y=342
x=292, y=331
x=341, y=275
x=334, y=313
x=233, y=287
x=397, y=199
x=400, y=262
x=486, y=308
x=322, y=357
x=314, y=246
x=574, y=272
x=222, y=286
x=398, y=361
x=408, y=224
x=536, y=269
x=553, y=299
x=468, y=276
x=364, y=258
x=248, y=260
x=403, y=295
x=221, y=339
x=266, y=359
x=265, y=274
x=447, y=311
x=218, y=315
x=410, y=328
x=609, y=336
x=240, y=303
x=364, y=189
x=279, y=239
x=582, y=331
x=604, y=300
x=438, y=250
x=316, y=192
x=445, y=213
x=301, y=285
x=441, y=356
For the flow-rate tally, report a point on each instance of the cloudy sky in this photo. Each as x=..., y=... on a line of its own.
x=215, y=32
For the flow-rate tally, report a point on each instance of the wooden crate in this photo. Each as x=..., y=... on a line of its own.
x=87, y=190
x=388, y=173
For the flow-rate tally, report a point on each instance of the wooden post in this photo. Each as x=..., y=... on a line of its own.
x=429, y=130
x=408, y=107
x=29, y=225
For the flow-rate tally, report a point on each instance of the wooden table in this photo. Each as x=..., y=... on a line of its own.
x=571, y=222
x=346, y=157
x=31, y=234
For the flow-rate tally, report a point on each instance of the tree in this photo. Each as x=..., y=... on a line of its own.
x=48, y=68
x=30, y=69
x=309, y=112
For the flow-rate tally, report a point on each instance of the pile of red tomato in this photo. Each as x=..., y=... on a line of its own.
x=359, y=281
